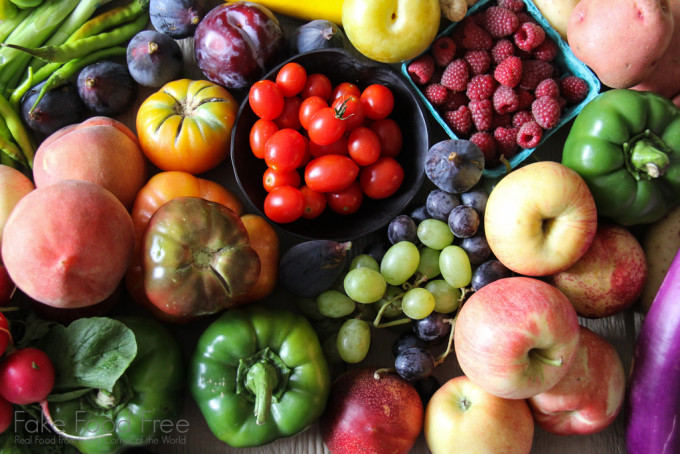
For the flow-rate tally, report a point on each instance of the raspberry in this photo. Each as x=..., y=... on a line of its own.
x=482, y=113
x=528, y=36
x=443, y=50
x=475, y=37
x=480, y=86
x=509, y=72
x=525, y=99
x=505, y=100
x=546, y=51
x=459, y=120
x=478, y=61
x=547, y=87
x=533, y=72
x=501, y=120
x=524, y=17
x=455, y=100
x=529, y=135
x=499, y=21
x=455, y=76
x=506, y=141
x=573, y=88
x=437, y=94
x=546, y=111
x=485, y=141
x=503, y=49
x=521, y=117
x=421, y=69
x=513, y=5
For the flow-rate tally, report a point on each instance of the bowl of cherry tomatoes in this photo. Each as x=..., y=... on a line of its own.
x=328, y=145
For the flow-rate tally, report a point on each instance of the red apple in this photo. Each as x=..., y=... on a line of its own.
x=516, y=337
x=369, y=411
x=540, y=219
x=462, y=417
x=590, y=396
x=609, y=277
x=236, y=43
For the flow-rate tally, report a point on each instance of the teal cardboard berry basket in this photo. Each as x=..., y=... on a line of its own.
x=565, y=60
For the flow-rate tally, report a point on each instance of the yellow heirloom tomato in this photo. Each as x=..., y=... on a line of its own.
x=186, y=125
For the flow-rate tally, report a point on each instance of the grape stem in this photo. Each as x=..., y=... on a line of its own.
x=381, y=312
x=441, y=358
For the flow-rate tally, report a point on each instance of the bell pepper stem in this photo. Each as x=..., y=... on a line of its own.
x=648, y=155
x=261, y=380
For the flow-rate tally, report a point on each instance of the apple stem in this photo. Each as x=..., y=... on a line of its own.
x=535, y=353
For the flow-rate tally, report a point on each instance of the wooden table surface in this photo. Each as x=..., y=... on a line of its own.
x=620, y=329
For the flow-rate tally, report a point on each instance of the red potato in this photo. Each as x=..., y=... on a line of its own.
x=68, y=244
x=665, y=79
x=621, y=41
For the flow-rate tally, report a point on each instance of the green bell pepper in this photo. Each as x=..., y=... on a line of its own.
x=259, y=374
x=144, y=403
x=626, y=146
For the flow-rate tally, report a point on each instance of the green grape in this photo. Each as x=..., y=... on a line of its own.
x=429, y=262
x=455, y=267
x=364, y=261
x=335, y=304
x=417, y=303
x=354, y=340
x=435, y=234
x=309, y=308
x=446, y=298
x=400, y=262
x=364, y=285
x=330, y=349
x=392, y=297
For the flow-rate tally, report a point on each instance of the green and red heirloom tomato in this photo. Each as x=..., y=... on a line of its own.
x=144, y=403
x=626, y=146
x=259, y=374
x=186, y=125
x=196, y=258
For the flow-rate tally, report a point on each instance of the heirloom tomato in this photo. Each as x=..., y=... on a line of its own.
x=187, y=125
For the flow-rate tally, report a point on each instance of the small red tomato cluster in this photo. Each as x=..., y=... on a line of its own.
x=26, y=376
x=324, y=145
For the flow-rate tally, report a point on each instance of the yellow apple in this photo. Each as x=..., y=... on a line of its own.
x=557, y=13
x=391, y=31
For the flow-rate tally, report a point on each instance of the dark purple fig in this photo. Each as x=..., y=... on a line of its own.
x=107, y=88
x=59, y=107
x=311, y=267
x=454, y=165
x=154, y=59
x=176, y=18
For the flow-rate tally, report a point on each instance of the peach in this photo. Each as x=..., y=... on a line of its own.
x=68, y=244
x=609, y=277
x=100, y=150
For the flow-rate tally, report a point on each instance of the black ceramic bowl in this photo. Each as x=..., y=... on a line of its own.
x=409, y=113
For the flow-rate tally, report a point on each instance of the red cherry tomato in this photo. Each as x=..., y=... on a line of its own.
x=378, y=101
x=326, y=126
x=330, y=173
x=272, y=179
x=6, y=414
x=26, y=376
x=266, y=99
x=363, y=146
x=337, y=147
x=289, y=117
x=308, y=108
x=345, y=88
x=315, y=202
x=317, y=85
x=260, y=133
x=348, y=200
x=291, y=79
x=284, y=204
x=285, y=150
x=351, y=110
x=390, y=136
x=382, y=178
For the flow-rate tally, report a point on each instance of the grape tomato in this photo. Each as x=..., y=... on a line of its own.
x=315, y=202
x=390, y=136
x=351, y=110
x=325, y=126
x=330, y=173
x=382, y=178
x=291, y=79
x=378, y=101
x=309, y=107
x=289, y=117
x=345, y=88
x=285, y=150
x=346, y=201
x=273, y=179
x=363, y=146
x=266, y=99
x=317, y=85
x=284, y=204
x=260, y=133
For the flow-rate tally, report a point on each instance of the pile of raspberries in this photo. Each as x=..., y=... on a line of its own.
x=494, y=80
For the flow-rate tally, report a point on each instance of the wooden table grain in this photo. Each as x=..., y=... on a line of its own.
x=620, y=330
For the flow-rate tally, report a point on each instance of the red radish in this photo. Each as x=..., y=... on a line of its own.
x=26, y=376
x=653, y=403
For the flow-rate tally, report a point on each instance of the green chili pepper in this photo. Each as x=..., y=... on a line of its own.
x=626, y=146
x=258, y=375
x=18, y=130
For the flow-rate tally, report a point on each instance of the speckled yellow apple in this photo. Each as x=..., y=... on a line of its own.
x=391, y=31
x=540, y=219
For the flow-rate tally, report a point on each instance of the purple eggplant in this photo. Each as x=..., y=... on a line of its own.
x=310, y=267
